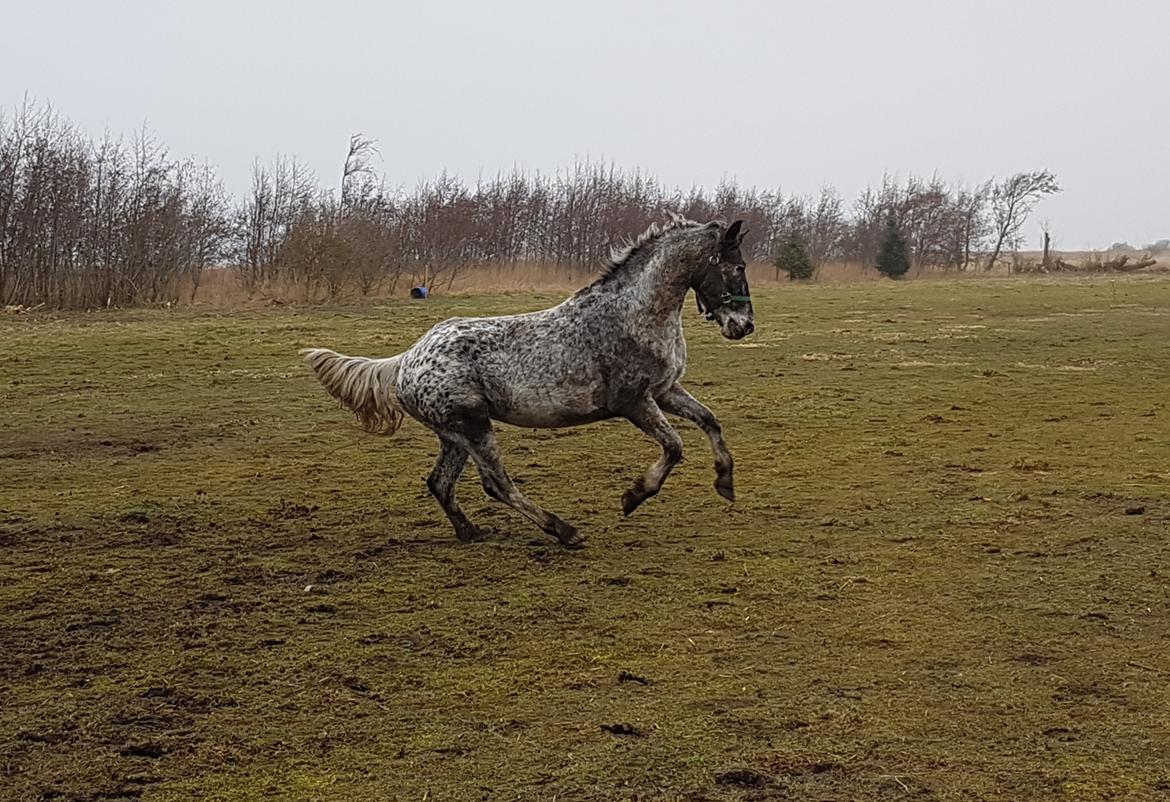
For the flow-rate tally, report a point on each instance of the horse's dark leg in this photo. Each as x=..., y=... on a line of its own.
x=677, y=401
x=452, y=459
x=649, y=418
x=481, y=442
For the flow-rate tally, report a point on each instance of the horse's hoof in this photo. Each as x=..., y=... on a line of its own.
x=631, y=500
x=569, y=537
x=725, y=488
x=469, y=534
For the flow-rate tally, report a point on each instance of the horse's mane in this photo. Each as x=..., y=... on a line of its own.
x=630, y=252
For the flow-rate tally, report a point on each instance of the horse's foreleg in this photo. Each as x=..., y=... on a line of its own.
x=677, y=401
x=649, y=418
x=449, y=465
x=497, y=484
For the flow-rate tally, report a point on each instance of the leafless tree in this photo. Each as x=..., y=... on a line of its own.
x=280, y=195
x=86, y=223
x=104, y=222
x=1012, y=201
x=358, y=177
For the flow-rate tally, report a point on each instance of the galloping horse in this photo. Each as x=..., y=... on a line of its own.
x=613, y=349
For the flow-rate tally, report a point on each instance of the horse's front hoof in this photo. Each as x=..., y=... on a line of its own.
x=725, y=487
x=631, y=500
x=469, y=533
x=568, y=536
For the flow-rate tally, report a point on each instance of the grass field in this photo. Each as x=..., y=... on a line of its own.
x=947, y=575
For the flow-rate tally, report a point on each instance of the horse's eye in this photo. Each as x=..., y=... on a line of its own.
x=741, y=268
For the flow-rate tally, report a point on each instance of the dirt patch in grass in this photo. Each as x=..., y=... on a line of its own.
x=72, y=445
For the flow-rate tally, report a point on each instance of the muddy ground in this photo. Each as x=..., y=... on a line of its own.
x=946, y=576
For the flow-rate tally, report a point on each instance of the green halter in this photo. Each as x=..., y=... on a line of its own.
x=726, y=299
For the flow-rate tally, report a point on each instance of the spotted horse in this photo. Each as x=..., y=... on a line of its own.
x=614, y=349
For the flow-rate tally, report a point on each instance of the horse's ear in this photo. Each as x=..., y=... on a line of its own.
x=733, y=236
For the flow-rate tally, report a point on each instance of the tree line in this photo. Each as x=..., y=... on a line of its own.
x=88, y=222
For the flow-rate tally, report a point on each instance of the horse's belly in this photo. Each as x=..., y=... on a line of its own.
x=549, y=419
x=548, y=407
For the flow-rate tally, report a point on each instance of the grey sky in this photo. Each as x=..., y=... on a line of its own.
x=777, y=94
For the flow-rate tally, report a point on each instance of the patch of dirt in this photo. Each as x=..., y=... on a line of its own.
x=286, y=510
x=622, y=728
x=744, y=778
x=77, y=445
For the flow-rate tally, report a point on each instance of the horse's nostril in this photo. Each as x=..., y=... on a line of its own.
x=748, y=328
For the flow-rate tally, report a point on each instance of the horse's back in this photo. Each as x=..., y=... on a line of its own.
x=555, y=367
x=525, y=370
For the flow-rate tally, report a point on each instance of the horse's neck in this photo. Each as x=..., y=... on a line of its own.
x=645, y=301
x=657, y=292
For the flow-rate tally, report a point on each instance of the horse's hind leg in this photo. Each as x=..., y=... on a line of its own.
x=449, y=465
x=481, y=442
x=649, y=418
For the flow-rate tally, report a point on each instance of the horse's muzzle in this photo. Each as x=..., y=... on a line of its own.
x=738, y=329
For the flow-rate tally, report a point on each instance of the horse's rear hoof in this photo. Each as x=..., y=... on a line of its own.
x=576, y=542
x=568, y=536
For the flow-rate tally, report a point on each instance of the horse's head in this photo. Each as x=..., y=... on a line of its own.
x=720, y=283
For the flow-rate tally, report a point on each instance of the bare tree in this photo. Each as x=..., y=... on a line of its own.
x=1012, y=201
x=207, y=222
x=970, y=221
x=358, y=175
x=280, y=195
x=106, y=222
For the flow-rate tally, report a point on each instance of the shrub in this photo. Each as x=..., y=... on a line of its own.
x=893, y=258
x=793, y=259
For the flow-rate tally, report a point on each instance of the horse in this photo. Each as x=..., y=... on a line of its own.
x=614, y=349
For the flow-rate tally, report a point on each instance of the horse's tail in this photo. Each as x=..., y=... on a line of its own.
x=365, y=386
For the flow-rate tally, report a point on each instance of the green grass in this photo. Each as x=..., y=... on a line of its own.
x=213, y=586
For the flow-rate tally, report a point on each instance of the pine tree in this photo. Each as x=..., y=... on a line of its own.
x=793, y=259
x=893, y=257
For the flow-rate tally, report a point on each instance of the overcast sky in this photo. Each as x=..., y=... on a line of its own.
x=793, y=95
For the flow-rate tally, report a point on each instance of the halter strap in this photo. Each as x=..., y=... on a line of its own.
x=726, y=299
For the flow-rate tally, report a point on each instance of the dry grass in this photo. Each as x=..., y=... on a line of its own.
x=946, y=577
x=223, y=288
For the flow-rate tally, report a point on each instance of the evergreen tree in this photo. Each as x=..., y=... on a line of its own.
x=793, y=259
x=893, y=257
